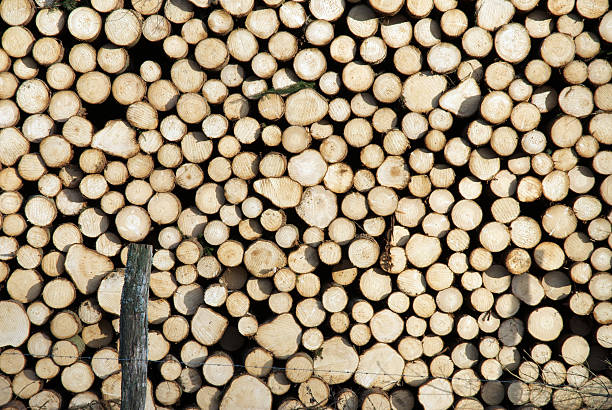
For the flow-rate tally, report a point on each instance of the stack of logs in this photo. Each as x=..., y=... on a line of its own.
x=373, y=205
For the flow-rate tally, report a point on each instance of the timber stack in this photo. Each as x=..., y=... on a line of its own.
x=382, y=204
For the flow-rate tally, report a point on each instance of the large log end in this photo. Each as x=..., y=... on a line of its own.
x=14, y=324
x=281, y=336
x=305, y=107
x=86, y=267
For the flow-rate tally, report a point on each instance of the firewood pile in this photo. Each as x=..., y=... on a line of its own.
x=383, y=204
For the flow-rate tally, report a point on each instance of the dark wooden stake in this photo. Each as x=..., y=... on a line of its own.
x=133, y=327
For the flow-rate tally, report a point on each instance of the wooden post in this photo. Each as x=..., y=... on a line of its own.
x=134, y=327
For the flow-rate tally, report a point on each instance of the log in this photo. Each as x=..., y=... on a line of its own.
x=235, y=394
x=208, y=326
x=284, y=344
x=15, y=324
x=38, y=313
x=383, y=357
x=436, y=394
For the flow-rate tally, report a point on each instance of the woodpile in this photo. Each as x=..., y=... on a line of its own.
x=353, y=205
